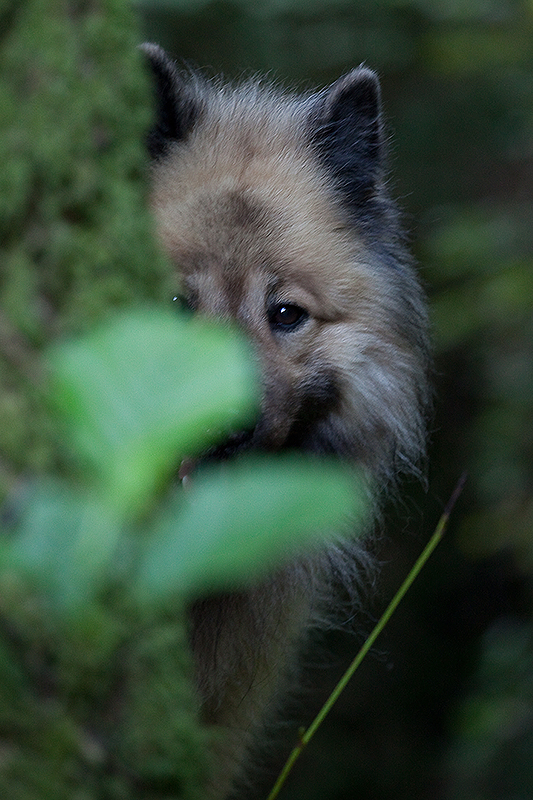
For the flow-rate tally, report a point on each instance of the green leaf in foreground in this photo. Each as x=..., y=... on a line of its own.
x=238, y=521
x=145, y=390
x=65, y=542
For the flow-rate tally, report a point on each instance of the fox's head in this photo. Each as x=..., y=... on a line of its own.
x=274, y=212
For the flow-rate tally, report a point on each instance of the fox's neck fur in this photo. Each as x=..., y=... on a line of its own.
x=274, y=210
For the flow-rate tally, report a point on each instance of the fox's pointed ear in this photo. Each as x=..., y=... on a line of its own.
x=177, y=106
x=347, y=129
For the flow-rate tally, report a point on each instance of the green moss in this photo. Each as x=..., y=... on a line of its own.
x=76, y=239
x=76, y=243
x=156, y=744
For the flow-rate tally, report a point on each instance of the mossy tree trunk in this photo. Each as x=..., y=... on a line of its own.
x=76, y=239
x=99, y=707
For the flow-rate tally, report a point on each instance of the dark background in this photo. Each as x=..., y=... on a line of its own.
x=443, y=707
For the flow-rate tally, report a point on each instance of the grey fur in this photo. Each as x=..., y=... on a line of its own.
x=274, y=206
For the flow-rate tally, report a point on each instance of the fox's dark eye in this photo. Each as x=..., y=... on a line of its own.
x=286, y=316
x=184, y=303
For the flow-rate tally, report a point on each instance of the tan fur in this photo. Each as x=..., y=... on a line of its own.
x=237, y=222
x=251, y=637
x=251, y=216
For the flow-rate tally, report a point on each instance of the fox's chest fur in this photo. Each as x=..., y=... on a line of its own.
x=274, y=211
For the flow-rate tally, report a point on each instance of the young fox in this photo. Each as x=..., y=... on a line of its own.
x=275, y=213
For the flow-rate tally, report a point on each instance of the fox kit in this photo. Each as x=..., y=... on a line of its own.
x=275, y=213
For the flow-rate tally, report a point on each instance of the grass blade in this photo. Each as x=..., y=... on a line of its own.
x=306, y=735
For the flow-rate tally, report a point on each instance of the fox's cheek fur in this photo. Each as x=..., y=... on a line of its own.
x=274, y=210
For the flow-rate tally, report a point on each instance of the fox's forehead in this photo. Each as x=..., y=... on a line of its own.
x=273, y=216
x=246, y=168
x=233, y=252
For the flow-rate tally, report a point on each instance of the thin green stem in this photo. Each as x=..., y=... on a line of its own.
x=306, y=735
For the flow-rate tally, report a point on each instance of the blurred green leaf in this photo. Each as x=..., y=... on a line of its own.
x=234, y=523
x=145, y=390
x=64, y=543
x=238, y=521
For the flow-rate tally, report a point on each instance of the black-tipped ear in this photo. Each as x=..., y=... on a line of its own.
x=177, y=107
x=348, y=133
